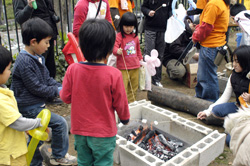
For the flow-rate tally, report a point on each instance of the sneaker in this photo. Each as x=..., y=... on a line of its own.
x=67, y=160
x=158, y=84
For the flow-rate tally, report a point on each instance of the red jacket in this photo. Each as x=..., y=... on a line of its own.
x=131, y=51
x=95, y=92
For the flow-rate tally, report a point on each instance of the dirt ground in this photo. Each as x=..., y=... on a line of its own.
x=224, y=159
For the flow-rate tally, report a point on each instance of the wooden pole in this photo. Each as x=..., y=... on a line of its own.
x=182, y=102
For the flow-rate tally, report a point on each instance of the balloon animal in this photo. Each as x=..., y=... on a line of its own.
x=38, y=134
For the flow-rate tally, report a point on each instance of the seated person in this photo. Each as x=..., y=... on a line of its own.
x=174, y=50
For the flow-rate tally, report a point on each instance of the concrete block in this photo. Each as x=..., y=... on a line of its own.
x=133, y=155
x=210, y=147
x=203, y=144
x=119, y=141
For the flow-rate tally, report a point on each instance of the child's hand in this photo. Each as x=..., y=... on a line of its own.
x=119, y=51
x=246, y=97
x=201, y=115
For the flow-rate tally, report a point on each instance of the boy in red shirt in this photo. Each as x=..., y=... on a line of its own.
x=95, y=92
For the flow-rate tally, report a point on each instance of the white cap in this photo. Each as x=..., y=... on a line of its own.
x=164, y=5
x=155, y=122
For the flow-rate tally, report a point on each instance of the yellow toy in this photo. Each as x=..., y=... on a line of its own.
x=38, y=134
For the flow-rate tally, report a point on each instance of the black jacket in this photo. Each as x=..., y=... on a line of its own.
x=175, y=49
x=158, y=22
x=240, y=84
x=44, y=11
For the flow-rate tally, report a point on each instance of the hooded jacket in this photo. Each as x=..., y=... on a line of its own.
x=175, y=49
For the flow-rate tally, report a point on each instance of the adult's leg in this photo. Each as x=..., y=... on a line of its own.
x=207, y=82
x=160, y=47
x=50, y=59
x=150, y=38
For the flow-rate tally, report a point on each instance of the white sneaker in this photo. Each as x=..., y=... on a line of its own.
x=67, y=160
x=158, y=84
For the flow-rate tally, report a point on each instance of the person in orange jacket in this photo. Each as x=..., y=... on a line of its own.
x=118, y=8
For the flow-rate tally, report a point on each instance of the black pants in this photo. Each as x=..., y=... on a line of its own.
x=50, y=59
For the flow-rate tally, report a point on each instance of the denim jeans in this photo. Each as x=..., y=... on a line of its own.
x=60, y=138
x=207, y=87
x=155, y=40
x=224, y=109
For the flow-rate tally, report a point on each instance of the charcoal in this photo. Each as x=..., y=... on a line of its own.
x=165, y=142
x=133, y=132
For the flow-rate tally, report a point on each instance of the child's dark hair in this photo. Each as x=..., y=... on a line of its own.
x=128, y=19
x=96, y=39
x=35, y=28
x=243, y=56
x=237, y=8
x=5, y=58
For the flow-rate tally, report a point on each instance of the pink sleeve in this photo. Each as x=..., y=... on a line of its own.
x=139, y=55
x=202, y=31
x=80, y=15
x=117, y=43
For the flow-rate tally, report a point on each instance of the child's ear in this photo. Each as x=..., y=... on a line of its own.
x=33, y=41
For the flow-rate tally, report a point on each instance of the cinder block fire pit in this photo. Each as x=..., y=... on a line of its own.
x=201, y=144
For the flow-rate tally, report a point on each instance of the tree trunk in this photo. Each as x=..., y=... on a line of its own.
x=182, y=102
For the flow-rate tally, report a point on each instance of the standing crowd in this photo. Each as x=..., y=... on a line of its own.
x=95, y=90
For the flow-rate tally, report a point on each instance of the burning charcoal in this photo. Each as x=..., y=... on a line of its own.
x=146, y=138
x=165, y=142
x=140, y=128
x=133, y=132
x=139, y=136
